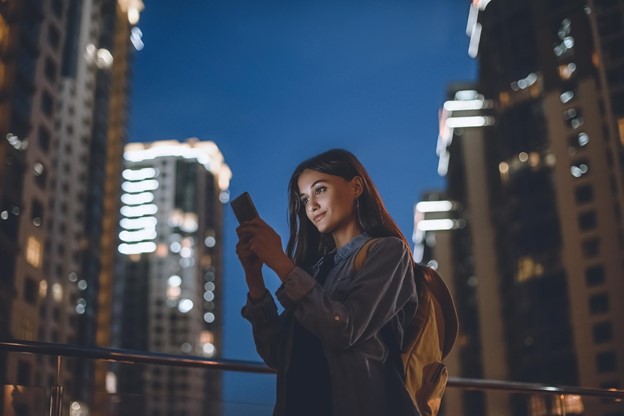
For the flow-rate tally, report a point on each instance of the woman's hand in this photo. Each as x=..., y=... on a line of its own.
x=252, y=266
x=266, y=244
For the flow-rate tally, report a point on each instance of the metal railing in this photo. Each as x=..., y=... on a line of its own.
x=61, y=351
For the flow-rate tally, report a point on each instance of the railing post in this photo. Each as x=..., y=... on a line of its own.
x=562, y=405
x=56, y=391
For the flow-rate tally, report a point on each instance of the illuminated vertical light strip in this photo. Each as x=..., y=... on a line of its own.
x=473, y=15
x=475, y=38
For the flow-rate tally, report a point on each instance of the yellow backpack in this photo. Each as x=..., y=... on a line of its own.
x=428, y=339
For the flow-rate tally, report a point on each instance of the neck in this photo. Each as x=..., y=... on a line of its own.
x=346, y=234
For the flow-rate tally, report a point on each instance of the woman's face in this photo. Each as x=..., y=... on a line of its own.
x=329, y=200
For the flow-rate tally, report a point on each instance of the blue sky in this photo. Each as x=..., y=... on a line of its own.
x=275, y=82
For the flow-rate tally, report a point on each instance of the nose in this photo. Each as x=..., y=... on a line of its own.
x=313, y=204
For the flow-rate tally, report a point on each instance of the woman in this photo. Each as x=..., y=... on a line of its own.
x=336, y=346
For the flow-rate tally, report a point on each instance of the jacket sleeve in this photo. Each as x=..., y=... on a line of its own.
x=375, y=294
x=266, y=327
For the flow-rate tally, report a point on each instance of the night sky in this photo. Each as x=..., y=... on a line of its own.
x=275, y=82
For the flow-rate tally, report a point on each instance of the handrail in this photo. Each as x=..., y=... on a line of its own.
x=131, y=356
x=145, y=357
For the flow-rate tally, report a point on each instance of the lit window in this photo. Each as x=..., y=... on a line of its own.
x=209, y=317
x=579, y=140
x=528, y=268
x=185, y=305
x=573, y=118
x=579, y=169
x=57, y=292
x=33, y=251
x=566, y=70
x=573, y=404
x=566, y=96
x=43, y=289
x=209, y=349
x=537, y=406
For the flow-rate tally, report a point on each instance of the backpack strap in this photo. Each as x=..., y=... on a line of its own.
x=442, y=296
x=360, y=257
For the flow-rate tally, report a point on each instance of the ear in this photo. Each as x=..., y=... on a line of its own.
x=357, y=183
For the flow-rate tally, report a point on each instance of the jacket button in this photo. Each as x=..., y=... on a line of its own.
x=336, y=318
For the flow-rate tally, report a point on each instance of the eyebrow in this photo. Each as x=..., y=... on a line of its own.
x=312, y=186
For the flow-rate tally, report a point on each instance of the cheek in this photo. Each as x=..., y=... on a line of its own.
x=347, y=205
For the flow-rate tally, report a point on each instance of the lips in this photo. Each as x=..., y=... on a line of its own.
x=318, y=217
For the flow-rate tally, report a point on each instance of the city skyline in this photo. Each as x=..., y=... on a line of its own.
x=129, y=129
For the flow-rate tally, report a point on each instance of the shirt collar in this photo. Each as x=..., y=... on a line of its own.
x=344, y=251
x=351, y=247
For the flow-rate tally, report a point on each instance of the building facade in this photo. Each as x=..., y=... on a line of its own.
x=540, y=189
x=64, y=71
x=171, y=245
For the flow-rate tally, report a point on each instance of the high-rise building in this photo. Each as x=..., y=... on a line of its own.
x=64, y=69
x=171, y=283
x=453, y=230
x=541, y=193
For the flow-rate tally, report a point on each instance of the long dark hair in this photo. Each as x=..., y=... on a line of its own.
x=306, y=244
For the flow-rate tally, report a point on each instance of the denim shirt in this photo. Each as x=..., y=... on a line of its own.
x=359, y=318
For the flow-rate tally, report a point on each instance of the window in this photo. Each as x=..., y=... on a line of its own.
x=578, y=141
x=40, y=174
x=591, y=247
x=602, y=332
x=44, y=139
x=579, y=168
x=599, y=303
x=584, y=194
x=606, y=362
x=573, y=118
x=567, y=96
x=594, y=275
x=36, y=213
x=33, y=251
x=587, y=221
x=50, y=70
x=47, y=103
x=30, y=291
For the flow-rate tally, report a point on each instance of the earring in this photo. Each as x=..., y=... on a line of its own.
x=357, y=203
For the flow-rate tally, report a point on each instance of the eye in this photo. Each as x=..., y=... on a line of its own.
x=320, y=190
x=304, y=201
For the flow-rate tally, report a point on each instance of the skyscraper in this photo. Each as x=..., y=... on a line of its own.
x=545, y=225
x=64, y=68
x=171, y=286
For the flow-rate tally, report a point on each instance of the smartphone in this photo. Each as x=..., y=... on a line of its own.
x=244, y=208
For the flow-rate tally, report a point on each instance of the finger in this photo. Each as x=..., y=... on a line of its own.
x=243, y=229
